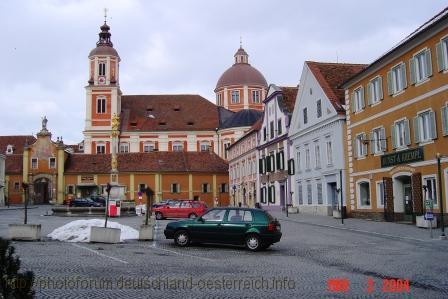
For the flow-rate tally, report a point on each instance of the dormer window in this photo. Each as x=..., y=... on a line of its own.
x=149, y=108
x=176, y=108
x=133, y=123
x=190, y=123
x=9, y=149
x=162, y=123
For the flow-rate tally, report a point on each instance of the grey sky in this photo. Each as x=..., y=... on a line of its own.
x=178, y=47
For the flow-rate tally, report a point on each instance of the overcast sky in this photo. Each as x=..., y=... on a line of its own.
x=178, y=47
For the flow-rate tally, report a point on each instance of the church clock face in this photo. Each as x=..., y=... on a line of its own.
x=101, y=80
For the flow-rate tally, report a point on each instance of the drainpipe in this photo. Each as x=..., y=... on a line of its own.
x=439, y=169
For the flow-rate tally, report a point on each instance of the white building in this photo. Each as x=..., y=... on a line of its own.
x=274, y=152
x=317, y=134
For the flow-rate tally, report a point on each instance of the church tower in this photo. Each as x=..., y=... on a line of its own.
x=103, y=95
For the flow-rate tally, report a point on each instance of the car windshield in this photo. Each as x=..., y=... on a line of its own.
x=214, y=215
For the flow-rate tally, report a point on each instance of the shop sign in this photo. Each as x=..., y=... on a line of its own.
x=403, y=157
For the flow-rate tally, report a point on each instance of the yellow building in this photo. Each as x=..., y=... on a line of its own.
x=397, y=122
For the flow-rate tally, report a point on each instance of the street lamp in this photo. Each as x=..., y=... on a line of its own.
x=108, y=188
x=234, y=189
x=25, y=191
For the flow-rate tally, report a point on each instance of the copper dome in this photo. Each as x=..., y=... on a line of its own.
x=241, y=74
x=104, y=50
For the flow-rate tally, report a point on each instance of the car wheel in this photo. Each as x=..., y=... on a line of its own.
x=182, y=238
x=253, y=242
x=159, y=216
x=192, y=216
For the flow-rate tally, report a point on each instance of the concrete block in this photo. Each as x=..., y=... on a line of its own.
x=146, y=232
x=293, y=210
x=105, y=235
x=421, y=222
x=24, y=232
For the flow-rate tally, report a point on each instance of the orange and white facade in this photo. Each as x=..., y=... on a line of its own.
x=397, y=123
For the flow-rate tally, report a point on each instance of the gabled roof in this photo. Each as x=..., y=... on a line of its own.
x=330, y=76
x=167, y=113
x=17, y=142
x=207, y=162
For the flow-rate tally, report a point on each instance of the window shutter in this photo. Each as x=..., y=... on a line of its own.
x=355, y=148
x=445, y=120
x=268, y=163
x=353, y=103
x=277, y=160
x=380, y=82
x=390, y=87
x=372, y=143
x=412, y=70
x=383, y=139
x=432, y=117
x=407, y=137
x=291, y=166
x=363, y=103
x=428, y=62
x=416, y=130
x=403, y=75
x=273, y=166
x=441, y=63
x=172, y=187
x=364, y=145
x=260, y=166
x=394, y=137
x=369, y=93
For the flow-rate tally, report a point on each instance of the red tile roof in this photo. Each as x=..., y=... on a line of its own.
x=16, y=141
x=207, y=162
x=13, y=164
x=289, y=95
x=330, y=77
x=168, y=113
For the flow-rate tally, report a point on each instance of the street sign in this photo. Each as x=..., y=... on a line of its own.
x=139, y=193
x=429, y=216
x=428, y=203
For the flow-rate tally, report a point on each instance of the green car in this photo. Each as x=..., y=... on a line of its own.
x=254, y=228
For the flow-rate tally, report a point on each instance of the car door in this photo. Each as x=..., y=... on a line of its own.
x=171, y=210
x=185, y=209
x=207, y=228
x=235, y=225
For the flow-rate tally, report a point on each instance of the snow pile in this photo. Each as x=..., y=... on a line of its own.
x=79, y=230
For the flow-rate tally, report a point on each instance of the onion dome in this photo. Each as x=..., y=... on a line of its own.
x=104, y=45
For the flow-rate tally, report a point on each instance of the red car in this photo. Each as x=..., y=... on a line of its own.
x=181, y=209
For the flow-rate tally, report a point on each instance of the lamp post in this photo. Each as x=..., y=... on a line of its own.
x=108, y=188
x=439, y=173
x=219, y=150
x=234, y=189
x=25, y=191
x=287, y=212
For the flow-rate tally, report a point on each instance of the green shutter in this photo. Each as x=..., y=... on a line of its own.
x=432, y=117
x=380, y=82
x=383, y=139
x=445, y=120
x=260, y=165
x=416, y=129
x=403, y=75
x=394, y=137
x=353, y=102
x=291, y=166
x=412, y=70
x=363, y=103
x=277, y=160
x=369, y=93
x=390, y=87
x=428, y=63
x=441, y=63
x=407, y=137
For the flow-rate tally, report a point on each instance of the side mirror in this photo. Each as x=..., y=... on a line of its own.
x=200, y=219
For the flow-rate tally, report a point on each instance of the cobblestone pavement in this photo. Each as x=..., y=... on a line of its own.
x=300, y=266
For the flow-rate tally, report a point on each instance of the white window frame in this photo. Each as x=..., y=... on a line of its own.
x=206, y=187
x=377, y=141
x=298, y=160
x=49, y=162
x=358, y=97
x=329, y=148
x=424, y=121
x=305, y=115
x=256, y=96
x=101, y=144
x=358, y=194
x=433, y=178
x=9, y=149
x=102, y=68
x=307, y=158
x=360, y=146
x=320, y=201
x=124, y=147
x=398, y=82
x=375, y=90
x=178, y=146
x=177, y=188
x=99, y=105
x=379, y=195
x=398, y=135
x=444, y=49
x=235, y=95
x=309, y=193
x=317, y=162
x=149, y=147
x=420, y=66
x=319, y=108
x=37, y=163
x=204, y=146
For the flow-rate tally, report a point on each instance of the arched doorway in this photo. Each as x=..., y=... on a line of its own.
x=42, y=191
x=403, y=195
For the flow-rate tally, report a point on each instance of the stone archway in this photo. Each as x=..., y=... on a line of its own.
x=42, y=189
